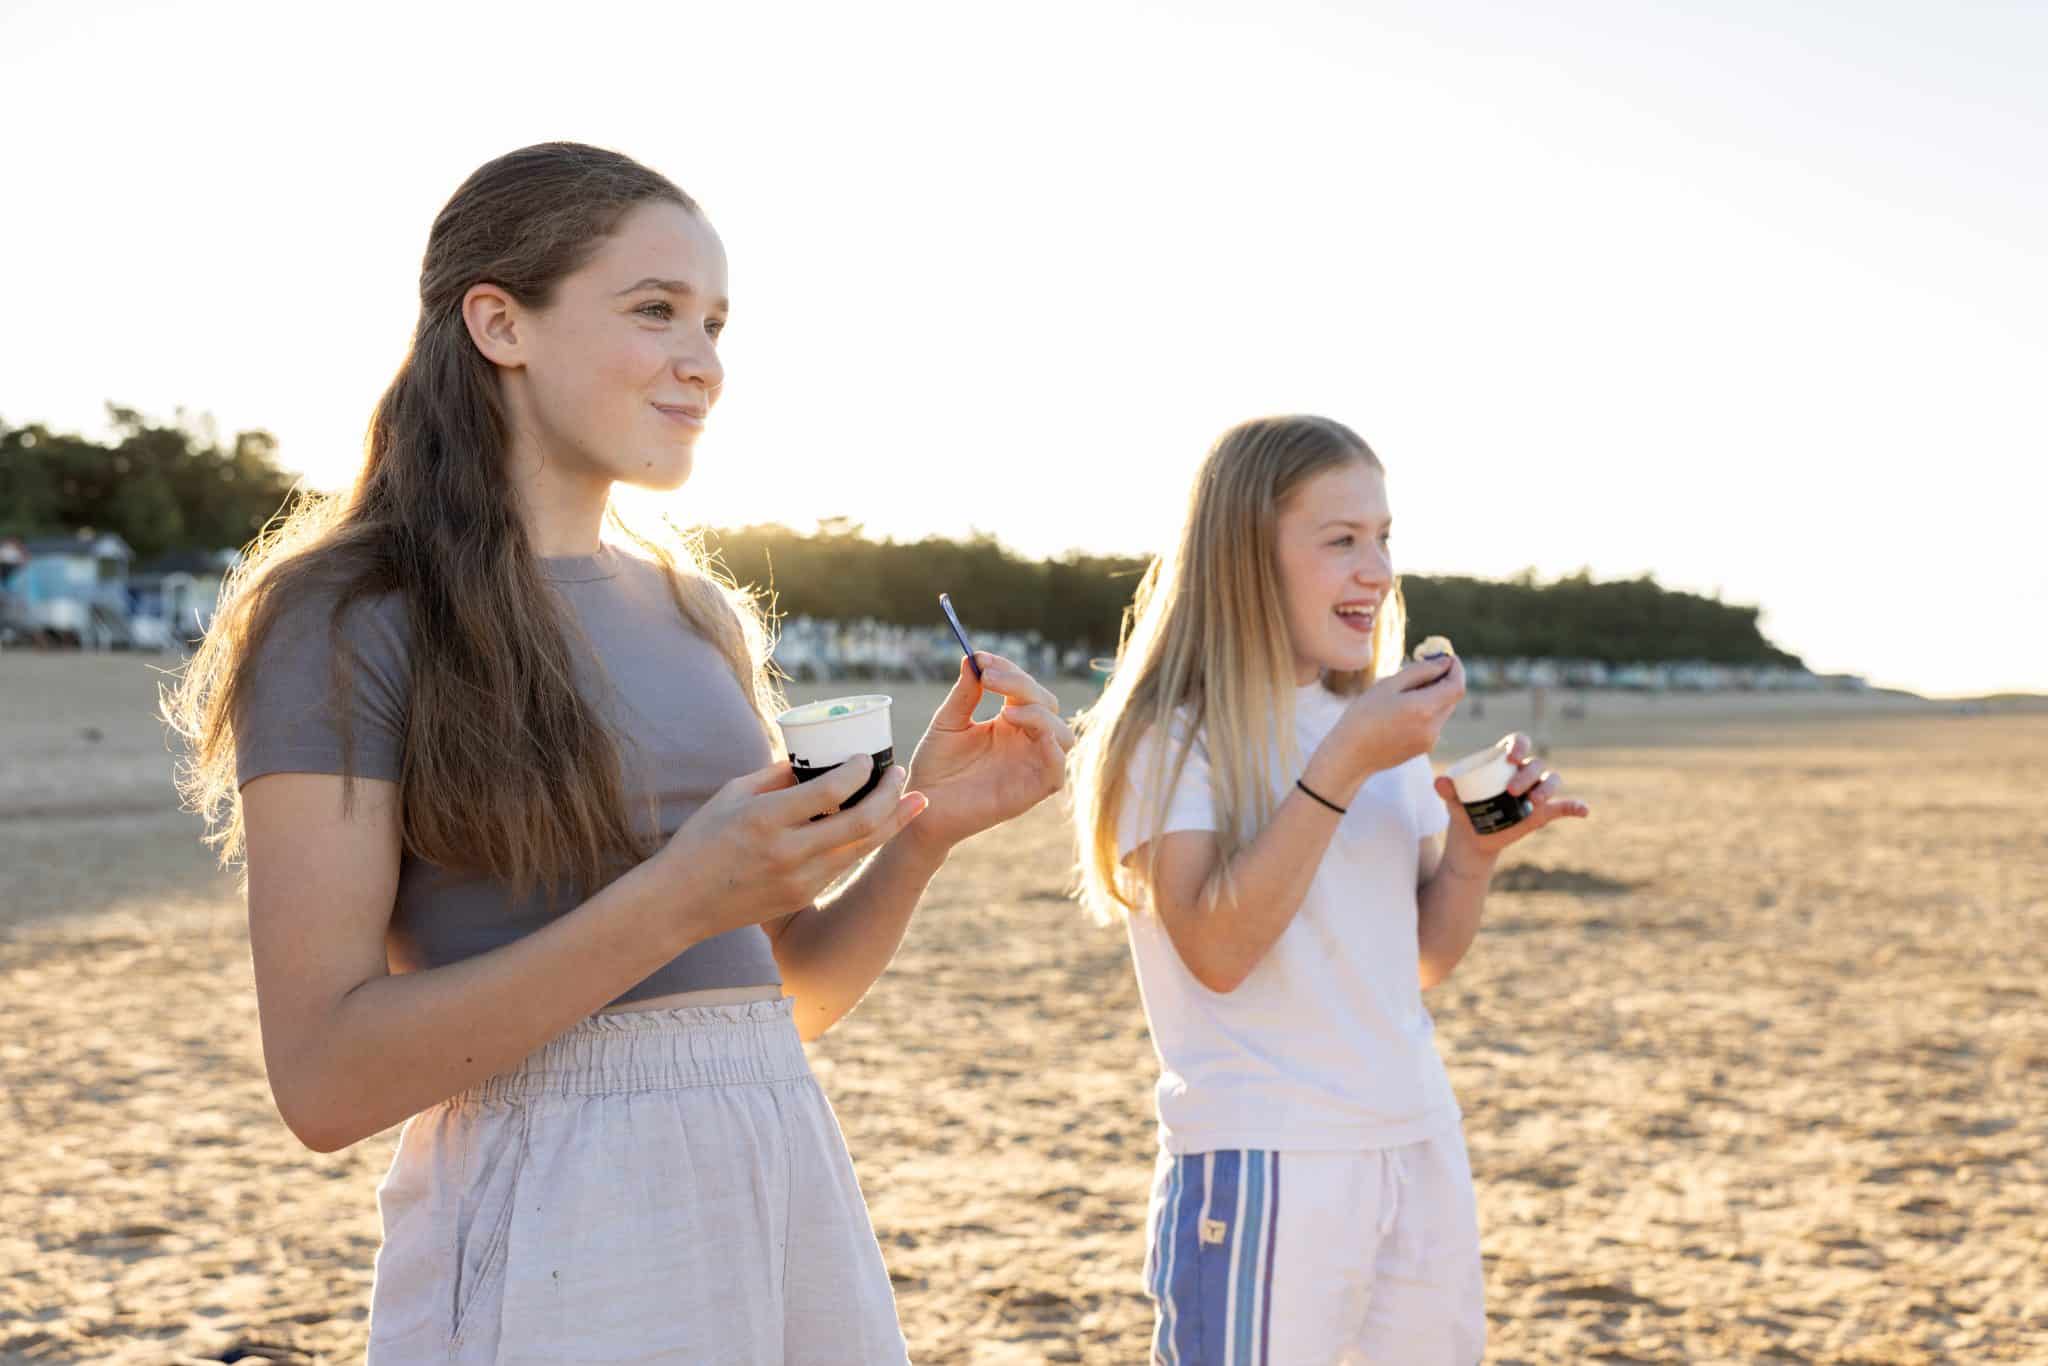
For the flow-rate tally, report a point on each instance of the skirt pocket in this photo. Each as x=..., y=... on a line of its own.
x=483, y=1223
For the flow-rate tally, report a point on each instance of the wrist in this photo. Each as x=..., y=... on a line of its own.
x=1333, y=776
x=1465, y=860
x=921, y=850
x=674, y=896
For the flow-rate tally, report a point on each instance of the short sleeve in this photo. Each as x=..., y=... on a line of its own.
x=1432, y=817
x=1189, y=807
x=290, y=717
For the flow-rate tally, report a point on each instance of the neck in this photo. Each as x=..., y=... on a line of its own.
x=1306, y=672
x=561, y=500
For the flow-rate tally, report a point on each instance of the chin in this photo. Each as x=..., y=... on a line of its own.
x=662, y=473
x=1352, y=661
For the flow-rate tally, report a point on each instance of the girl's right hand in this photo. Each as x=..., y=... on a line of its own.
x=1392, y=721
x=754, y=853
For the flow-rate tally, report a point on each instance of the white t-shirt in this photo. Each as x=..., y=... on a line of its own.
x=1326, y=1045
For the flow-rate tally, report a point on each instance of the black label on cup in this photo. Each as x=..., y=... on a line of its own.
x=1498, y=812
x=883, y=758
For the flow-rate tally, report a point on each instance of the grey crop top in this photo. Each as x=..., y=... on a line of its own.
x=684, y=727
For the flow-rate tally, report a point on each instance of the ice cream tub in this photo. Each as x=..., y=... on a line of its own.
x=1482, y=783
x=820, y=736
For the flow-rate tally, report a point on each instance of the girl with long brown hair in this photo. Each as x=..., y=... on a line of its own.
x=523, y=871
x=1254, y=800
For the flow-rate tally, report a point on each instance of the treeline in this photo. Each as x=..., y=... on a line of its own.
x=1621, y=621
x=159, y=486
x=838, y=573
x=176, y=486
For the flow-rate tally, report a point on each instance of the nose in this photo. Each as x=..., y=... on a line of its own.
x=696, y=362
x=1376, y=570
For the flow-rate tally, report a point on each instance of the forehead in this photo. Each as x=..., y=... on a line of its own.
x=1351, y=492
x=659, y=240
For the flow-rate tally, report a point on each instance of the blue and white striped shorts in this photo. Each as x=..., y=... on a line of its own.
x=1262, y=1258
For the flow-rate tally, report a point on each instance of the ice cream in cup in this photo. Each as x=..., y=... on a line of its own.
x=820, y=736
x=1482, y=783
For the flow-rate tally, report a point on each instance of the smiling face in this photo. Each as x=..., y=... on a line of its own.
x=1331, y=541
x=614, y=377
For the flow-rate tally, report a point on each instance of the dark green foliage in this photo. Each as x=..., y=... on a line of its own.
x=1621, y=621
x=174, y=487
x=837, y=573
x=159, y=487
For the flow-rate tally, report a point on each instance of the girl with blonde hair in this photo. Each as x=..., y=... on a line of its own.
x=524, y=870
x=1253, y=798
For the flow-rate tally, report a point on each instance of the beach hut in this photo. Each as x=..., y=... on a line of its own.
x=15, y=623
x=173, y=597
x=74, y=588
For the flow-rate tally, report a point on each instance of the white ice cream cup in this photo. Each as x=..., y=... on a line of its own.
x=1482, y=783
x=820, y=736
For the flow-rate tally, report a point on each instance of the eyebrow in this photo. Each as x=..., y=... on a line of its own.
x=1355, y=526
x=682, y=287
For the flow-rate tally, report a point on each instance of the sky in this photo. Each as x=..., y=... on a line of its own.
x=1748, y=296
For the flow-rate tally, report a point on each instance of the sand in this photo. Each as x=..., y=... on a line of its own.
x=1753, y=1064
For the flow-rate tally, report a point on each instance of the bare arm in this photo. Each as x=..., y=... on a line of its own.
x=1451, y=899
x=829, y=956
x=975, y=774
x=1222, y=935
x=1222, y=927
x=1456, y=869
x=352, y=1049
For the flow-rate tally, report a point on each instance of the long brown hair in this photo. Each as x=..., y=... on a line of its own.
x=507, y=770
x=1205, y=652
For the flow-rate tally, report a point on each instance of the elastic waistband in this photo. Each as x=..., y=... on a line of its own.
x=656, y=1050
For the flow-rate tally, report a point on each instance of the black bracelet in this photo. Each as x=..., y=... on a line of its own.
x=1319, y=796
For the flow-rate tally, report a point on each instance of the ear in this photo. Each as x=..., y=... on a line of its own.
x=493, y=318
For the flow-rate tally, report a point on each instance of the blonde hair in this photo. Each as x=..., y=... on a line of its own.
x=1205, y=653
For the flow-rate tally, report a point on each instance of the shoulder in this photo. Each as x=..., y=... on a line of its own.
x=1163, y=746
x=1170, y=760
x=316, y=644
x=313, y=616
x=326, y=684
x=658, y=589
x=1179, y=730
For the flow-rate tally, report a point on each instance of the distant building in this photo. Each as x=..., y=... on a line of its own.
x=69, y=588
x=172, y=598
x=14, y=618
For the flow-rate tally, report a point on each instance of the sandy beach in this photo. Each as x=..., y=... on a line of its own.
x=1754, y=1065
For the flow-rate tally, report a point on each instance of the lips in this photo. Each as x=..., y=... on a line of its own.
x=1358, y=617
x=688, y=414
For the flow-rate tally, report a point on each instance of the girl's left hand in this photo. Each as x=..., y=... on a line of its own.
x=1531, y=780
x=981, y=773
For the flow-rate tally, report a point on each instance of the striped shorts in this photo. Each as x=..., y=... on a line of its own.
x=1261, y=1258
